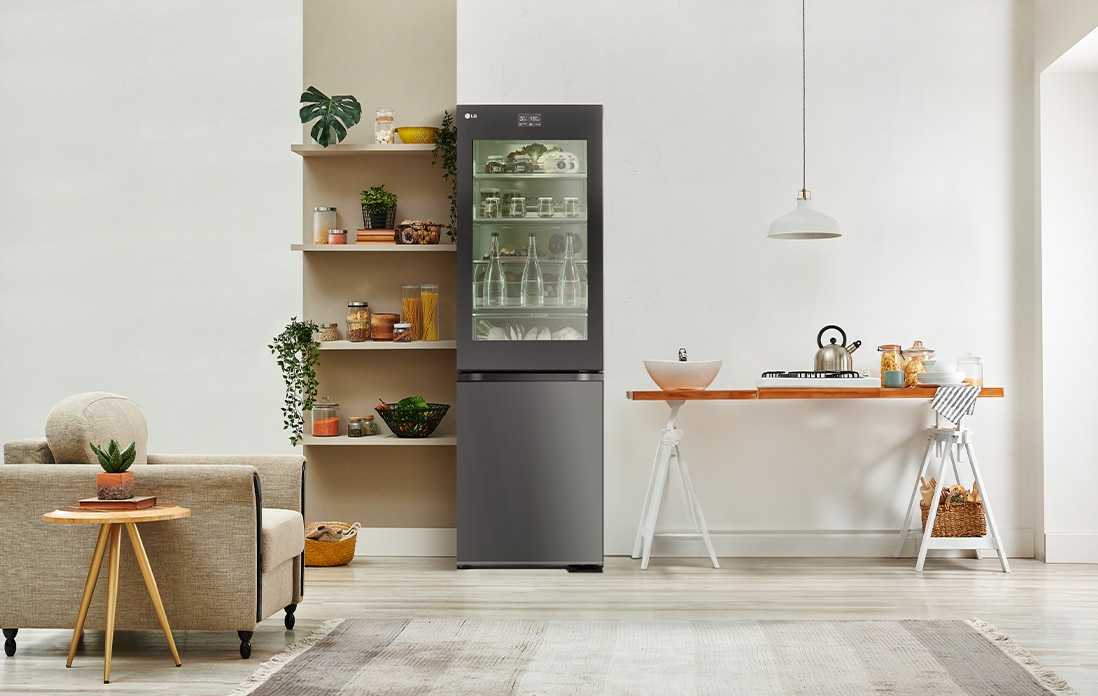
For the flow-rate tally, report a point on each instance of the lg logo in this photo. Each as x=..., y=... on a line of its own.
x=469, y=115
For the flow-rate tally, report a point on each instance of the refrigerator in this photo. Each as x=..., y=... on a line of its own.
x=530, y=337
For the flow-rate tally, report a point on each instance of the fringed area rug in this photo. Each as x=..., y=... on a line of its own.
x=754, y=658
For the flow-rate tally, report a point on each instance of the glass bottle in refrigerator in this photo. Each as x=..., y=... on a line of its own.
x=570, y=295
x=533, y=285
x=495, y=287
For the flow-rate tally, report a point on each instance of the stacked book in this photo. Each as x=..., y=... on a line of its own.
x=375, y=237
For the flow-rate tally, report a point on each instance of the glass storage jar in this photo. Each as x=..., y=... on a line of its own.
x=324, y=219
x=358, y=321
x=354, y=427
x=411, y=312
x=337, y=236
x=329, y=332
x=915, y=359
x=972, y=367
x=891, y=359
x=402, y=332
x=383, y=126
x=428, y=298
x=325, y=418
x=497, y=164
x=369, y=425
x=522, y=164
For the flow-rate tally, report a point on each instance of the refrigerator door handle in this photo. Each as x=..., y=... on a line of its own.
x=529, y=377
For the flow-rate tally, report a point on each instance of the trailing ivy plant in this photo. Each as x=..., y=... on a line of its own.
x=334, y=115
x=298, y=355
x=446, y=151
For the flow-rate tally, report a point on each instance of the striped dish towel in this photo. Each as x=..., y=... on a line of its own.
x=954, y=403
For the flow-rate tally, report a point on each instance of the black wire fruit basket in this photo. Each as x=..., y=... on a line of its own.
x=413, y=422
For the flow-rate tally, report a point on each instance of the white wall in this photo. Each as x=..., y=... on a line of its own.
x=1069, y=177
x=147, y=205
x=920, y=141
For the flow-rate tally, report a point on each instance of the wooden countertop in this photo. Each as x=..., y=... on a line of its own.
x=797, y=393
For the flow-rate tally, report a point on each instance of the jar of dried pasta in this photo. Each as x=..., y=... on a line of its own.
x=915, y=359
x=358, y=321
x=891, y=359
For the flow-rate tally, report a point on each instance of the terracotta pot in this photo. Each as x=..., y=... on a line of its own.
x=114, y=486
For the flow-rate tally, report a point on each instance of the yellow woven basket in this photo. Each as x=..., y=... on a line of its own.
x=330, y=553
x=960, y=519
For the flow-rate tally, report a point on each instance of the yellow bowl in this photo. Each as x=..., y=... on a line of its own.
x=417, y=134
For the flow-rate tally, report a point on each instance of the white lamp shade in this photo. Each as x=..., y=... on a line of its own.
x=804, y=223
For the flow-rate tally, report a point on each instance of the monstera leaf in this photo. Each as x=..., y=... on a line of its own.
x=334, y=115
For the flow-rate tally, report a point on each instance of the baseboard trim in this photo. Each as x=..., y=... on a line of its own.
x=1071, y=548
x=440, y=541
x=406, y=541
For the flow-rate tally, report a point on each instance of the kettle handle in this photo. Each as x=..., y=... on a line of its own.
x=819, y=336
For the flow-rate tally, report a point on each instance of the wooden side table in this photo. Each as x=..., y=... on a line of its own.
x=112, y=522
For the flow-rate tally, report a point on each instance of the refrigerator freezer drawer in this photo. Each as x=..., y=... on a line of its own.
x=530, y=473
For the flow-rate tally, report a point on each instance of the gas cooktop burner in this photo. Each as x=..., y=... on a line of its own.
x=811, y=374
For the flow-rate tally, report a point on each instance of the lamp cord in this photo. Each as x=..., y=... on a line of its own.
x=804, y=109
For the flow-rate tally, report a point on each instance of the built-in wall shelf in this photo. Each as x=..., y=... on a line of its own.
x=388, y=345
x=380, y=441
x=371, y=248
x=313, y=150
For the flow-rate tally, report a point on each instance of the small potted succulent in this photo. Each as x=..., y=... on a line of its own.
x=378, y=208
x=115, y=482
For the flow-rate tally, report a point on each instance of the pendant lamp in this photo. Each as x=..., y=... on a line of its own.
x=804, y=222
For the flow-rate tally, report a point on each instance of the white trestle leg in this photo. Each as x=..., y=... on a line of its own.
x=669, y=446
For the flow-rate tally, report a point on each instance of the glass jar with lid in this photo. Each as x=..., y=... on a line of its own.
x=325, y=418
x=369, y=425
x=973, y=369
x=329, y=332
x=358, y=321
x=522, y=164
x=915, y=359
x=383, y=125
x=324, y=219
x=891, y=359
x=497, y=164
x=354, y=427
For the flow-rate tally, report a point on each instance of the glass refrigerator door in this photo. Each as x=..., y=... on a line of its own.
x=530, y=238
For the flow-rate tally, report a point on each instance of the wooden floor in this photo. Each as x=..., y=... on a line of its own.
x=1052, y=610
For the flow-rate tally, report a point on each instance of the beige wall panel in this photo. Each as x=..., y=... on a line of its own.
x=396, y=54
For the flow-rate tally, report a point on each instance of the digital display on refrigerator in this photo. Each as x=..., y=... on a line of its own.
x=530, y=207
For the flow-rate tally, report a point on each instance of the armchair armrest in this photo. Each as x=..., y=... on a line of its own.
x=283, y=475
x=206, y=565
x=32, y=450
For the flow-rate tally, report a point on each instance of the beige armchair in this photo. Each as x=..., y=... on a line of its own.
x=237, y=560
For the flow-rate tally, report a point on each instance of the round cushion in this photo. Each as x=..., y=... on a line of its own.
x=95, y=417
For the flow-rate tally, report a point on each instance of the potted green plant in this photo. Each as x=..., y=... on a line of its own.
x=445, y=151
x=378, y=208
x=298, y=355
x=334, y=115
x=115, y=482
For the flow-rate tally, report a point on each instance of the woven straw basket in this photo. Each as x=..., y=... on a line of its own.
x=330, y=553
x=960, y=519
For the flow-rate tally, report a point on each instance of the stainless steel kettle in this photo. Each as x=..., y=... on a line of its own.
x=834, y=357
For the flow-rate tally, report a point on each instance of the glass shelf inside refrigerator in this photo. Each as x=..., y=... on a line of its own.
x=543, y=327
